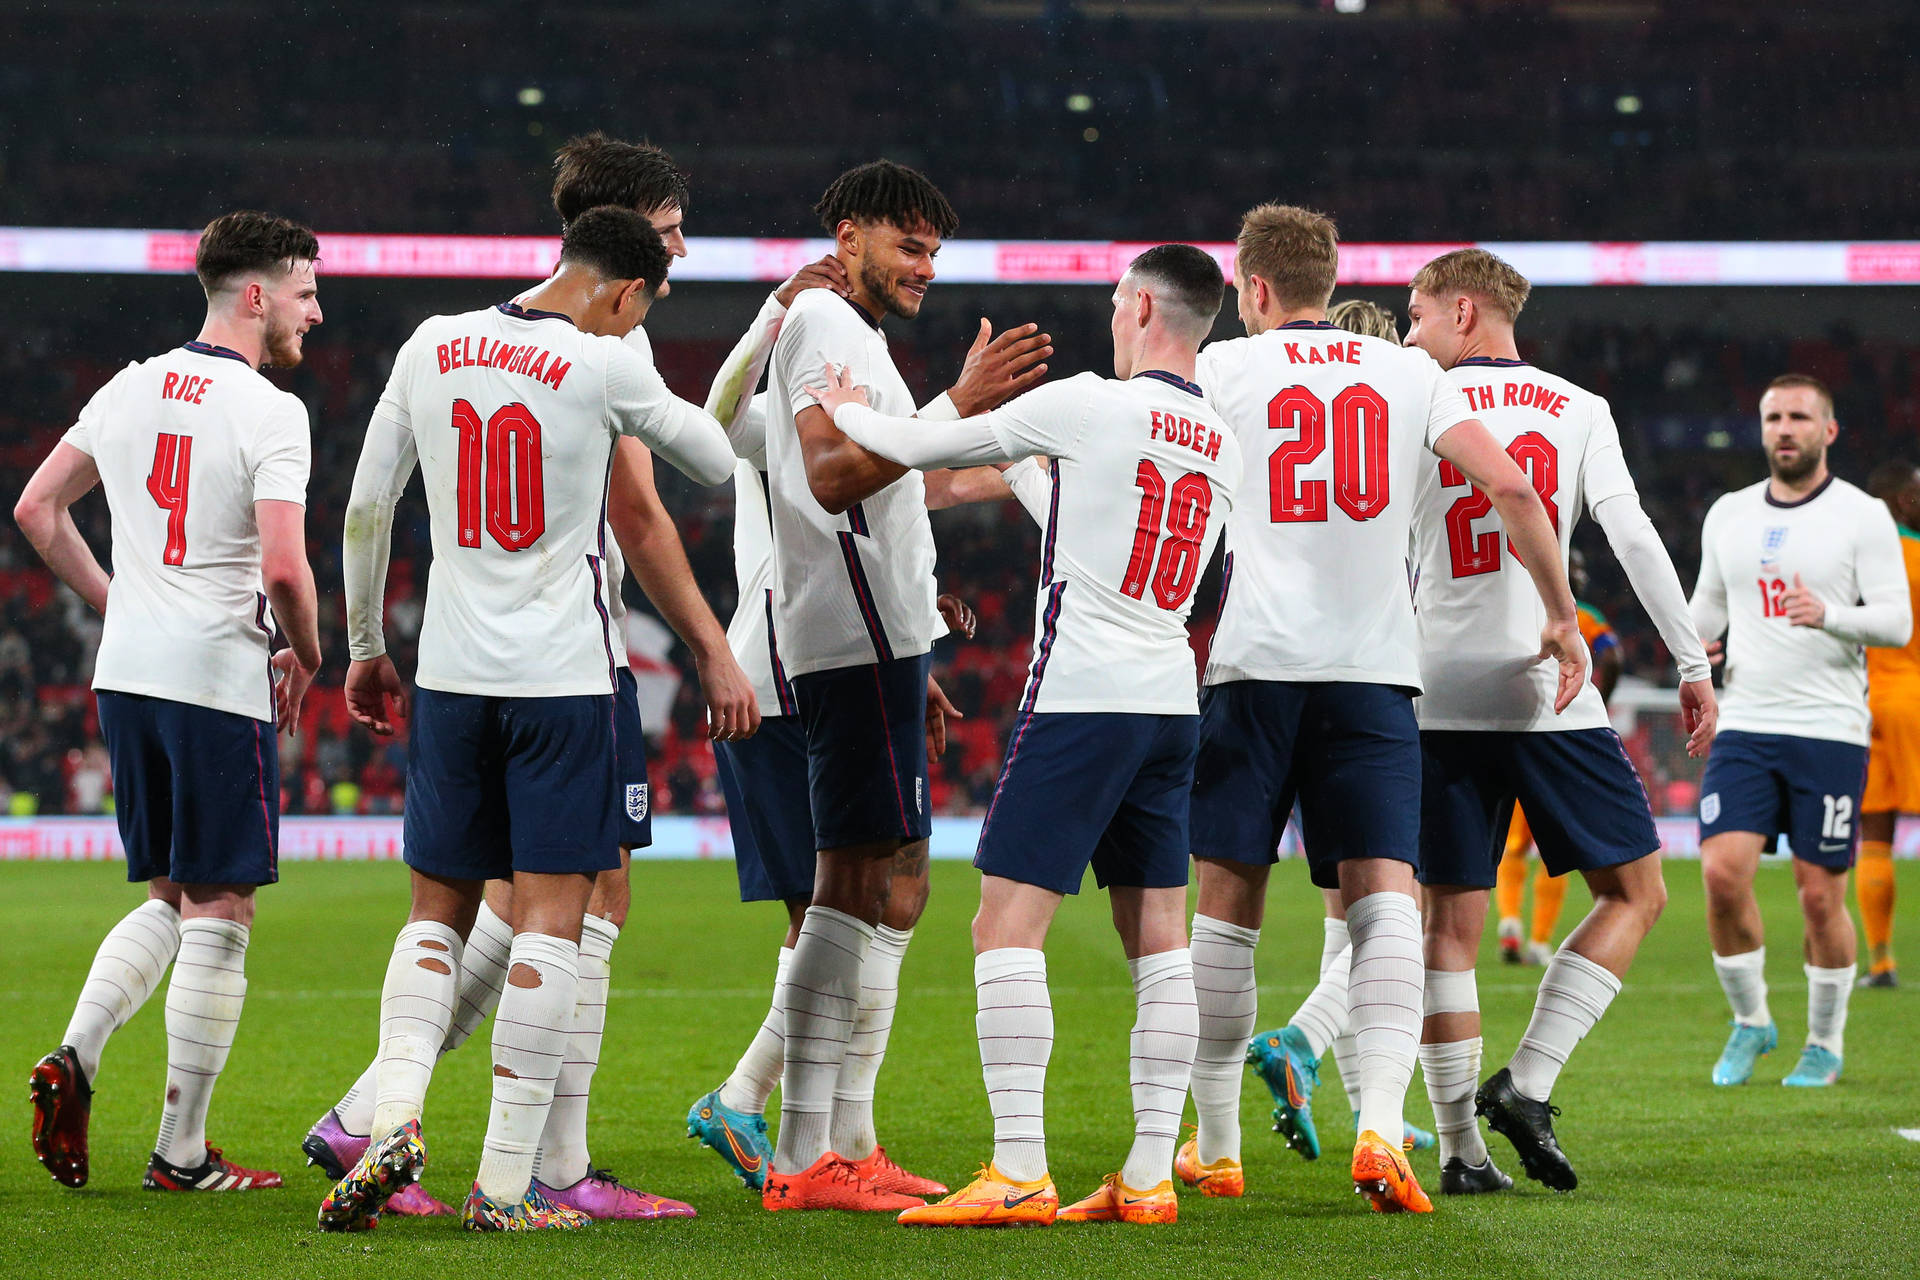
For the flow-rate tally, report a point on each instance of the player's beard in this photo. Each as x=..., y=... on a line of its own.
x=885, y=290
x=1799, y=469
x=282, y=346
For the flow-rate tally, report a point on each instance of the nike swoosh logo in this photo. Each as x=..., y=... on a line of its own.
x=1135, y=1199
x=750, y=1163
x=1831, y=848
x=1014, y=1202
x=1294, y=1097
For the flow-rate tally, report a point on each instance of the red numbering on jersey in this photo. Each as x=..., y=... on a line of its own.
x=1474, y=554
x=1361, y=486
x=1773, y=597
x=1185, y=507
x=167, y=482
x=514, y=473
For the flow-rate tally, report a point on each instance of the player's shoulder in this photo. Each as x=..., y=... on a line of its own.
x=814, y=308
x=1745, y=498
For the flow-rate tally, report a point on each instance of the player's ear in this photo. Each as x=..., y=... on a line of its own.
x=847, y=235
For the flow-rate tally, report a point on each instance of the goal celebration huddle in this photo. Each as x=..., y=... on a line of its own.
x=1399, y=667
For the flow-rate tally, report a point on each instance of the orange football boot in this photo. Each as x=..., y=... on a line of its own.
x=1115, y=1201
x=879, y=1169
x=1224, y=1177
x=991, y=1200
x=830, y=1183
x=1381, y=1173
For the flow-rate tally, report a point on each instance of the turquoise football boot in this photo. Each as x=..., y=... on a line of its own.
x=739, y=1138
x=1816, y=1069
x=1285, y=1063
x=1746, y=1046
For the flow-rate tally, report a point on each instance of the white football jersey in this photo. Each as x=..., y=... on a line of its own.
x=512, y=413
x=1317, y=581
x=751, y=634
x=185, y=444
x=1844, y=546
x=1480, y=617
x=616, y=560
x=1143, y=476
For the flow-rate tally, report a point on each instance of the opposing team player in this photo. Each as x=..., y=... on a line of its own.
x=205, y=465
x=1100, y=767
x=1491, y=731
x=1798, y=572
x=1893, y=763
x=1309, y=688
x=854, y=607
x=511, y=414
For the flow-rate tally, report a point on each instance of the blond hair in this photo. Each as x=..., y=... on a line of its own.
x=1480, y=275
x=1791, y=381
x=1357, y=315
x=1296, y=251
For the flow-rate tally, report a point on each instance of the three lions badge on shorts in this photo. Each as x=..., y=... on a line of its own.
x=636, y=802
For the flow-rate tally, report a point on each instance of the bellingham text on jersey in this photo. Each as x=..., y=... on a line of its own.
x=483, y=352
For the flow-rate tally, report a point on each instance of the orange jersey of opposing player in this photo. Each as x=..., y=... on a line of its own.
x=1600, y=637
x=1893, y=695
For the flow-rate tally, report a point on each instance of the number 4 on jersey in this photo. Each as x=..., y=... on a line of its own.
x=167, y=482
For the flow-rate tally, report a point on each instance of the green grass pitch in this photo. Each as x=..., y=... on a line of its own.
x=1677, y=1178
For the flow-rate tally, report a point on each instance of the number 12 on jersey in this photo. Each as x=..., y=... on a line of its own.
x=1185, y=508
x=515, y=476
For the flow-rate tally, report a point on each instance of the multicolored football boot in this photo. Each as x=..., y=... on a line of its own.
x=217, y=1174
x=879, y=1169
x=533, y=1213
x=1816, y=1069
x=736, y=1136
x=1115, y=1201
x=333, y=1150
x=62, y=1104
x=601, y=1195
x=1746, y=1046
x=1285, y=1062
x=1224, y=1177
x=382, y=1171
x=991, y=1200
x=1381, y=1174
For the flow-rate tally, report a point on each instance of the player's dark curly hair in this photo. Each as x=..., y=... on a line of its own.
x=882, y=191
x=593, y=169
x=248, y=241
x=1186, y=277
x=618, y=243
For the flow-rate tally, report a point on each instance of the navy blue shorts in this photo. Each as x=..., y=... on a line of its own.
x=765, y=781
x=866, y=732
x=1583, y=799
x=630, y=763
x=498, y=785
x=1349, y=752
x=196, y=791
x=1774, y=784
x=1106, y=789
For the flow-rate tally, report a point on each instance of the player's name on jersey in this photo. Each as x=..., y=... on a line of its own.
x=190, y=388
x=1197, y=436
x=1512, y=395
x=482, y=353
x=1336, y=353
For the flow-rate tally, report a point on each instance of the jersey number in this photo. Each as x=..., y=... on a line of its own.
x=1473, y=554
x=1360, y=485
x=516, y=501
x=1773, y=598
x=167, y=482
x=1836, y=822
x=1185, y=508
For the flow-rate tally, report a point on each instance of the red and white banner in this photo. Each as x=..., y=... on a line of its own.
x=1088, y=262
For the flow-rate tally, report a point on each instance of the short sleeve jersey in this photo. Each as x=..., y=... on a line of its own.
x=857, y=587
x=1480, y=616
x=185, y=444
x=1336, y=428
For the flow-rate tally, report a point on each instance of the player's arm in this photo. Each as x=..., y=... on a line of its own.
x=287, y=579
x=1884, y=616
x=654, y=553
x=684, y=434
x=375, y=694
x=1047, y=421
x=1709, y=602
x=44, y=514
x=733, y=386
x=1471, y=447
x=1636, y=544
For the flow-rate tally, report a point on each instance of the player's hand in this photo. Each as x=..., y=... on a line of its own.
x=376, y=698
x=733, y=712
x=1804, y=609
x=939, y=711
x=1716, y=653
x=1699, y=714
x=828, y=273
x=290, y=683
x=998, y=369
x=840, y=389
x=954, y=611
x=1561, y=641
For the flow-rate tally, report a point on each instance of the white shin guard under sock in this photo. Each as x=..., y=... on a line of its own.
x=822, y=998
x=1015, y=1025
x=1385, y=1003
x=416, y=1003
x=132, y=959
x=1166, y=1030
x=562, y=1158
x=529, y=1043
x=1744, y=978
x=1827, y=992
x=758, y=1070
x=1452, y=1068
x=203, y=1011
x=1574, y=992
x=851, y=1133
x=1227, y=1003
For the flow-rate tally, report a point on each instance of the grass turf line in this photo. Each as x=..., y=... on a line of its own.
x=1677, y=1177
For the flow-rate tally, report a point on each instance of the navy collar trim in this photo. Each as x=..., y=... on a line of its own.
x=872, y=320
x=200, y=348
x=1309, y=324
x=519, y=312
x=1493, y=362
x=1173, y=380
x=1772, y=501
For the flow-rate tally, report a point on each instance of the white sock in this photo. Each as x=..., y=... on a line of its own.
x=1827, y=992
x=529, y=1043
x=822, y=994
x=561, y=1160
x=1574, y=992
x=1322, y=1016
x=1166, y=1030
x=416, y=1003
x=851, y=1133
x=1337, y=946
x=483, y=971
x=132, y=959
x=1452, y=1072
x=204, y=998
x=1385, y=1000
x=758, y=1070
x=1228, y=1003
x=1744, y=978
x=1015, y=1026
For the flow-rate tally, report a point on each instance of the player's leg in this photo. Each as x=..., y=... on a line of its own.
x=1742, y=804
x=1874, y=888
x=1549, y=896
x=1510, y=889
x=1893, y=786
x=1825, y=780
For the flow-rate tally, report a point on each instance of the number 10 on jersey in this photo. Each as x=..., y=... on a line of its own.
x=514, y=475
